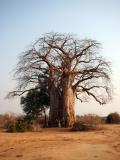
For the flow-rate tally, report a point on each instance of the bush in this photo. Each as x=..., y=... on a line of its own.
x=6, y=120
x=20, y=125
x=79, y=126
x=90, y=119
x=11, y=127
x=113, y=118
x=88, y=122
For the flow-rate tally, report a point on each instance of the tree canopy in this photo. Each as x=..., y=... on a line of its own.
x=35, y=103
x=73, y=68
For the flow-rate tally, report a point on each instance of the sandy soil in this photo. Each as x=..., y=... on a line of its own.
x=61, y=144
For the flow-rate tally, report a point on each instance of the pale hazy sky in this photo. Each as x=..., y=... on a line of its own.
x=23, y=21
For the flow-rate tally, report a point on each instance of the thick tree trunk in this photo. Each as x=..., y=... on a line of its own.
x=61, y=111
x=62, y=106
x=54, y=103
x=68, y=102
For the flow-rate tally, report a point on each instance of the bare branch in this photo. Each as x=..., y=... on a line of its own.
x=59, y=57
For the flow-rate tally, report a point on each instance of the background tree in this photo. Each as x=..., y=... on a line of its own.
x=36, y=103
x=113, y=118
x=73, y=68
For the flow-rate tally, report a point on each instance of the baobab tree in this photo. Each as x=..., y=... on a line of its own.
x=74, y=69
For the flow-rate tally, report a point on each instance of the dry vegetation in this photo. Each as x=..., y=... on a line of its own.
x=61, y=143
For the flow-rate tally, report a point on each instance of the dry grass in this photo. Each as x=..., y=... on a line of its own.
x=90, y=119
x=6, y=119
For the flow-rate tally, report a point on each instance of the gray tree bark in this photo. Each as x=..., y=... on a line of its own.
x=54, y=103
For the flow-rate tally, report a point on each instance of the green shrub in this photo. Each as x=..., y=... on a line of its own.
x=113, y=118
x=20, y=125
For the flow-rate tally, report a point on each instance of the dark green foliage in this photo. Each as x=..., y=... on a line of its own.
x=35, y=103
x=22, y=125
x=113, y=118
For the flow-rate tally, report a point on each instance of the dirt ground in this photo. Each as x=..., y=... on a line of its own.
x=61, y=144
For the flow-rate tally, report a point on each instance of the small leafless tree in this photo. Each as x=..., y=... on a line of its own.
x=73, y=69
